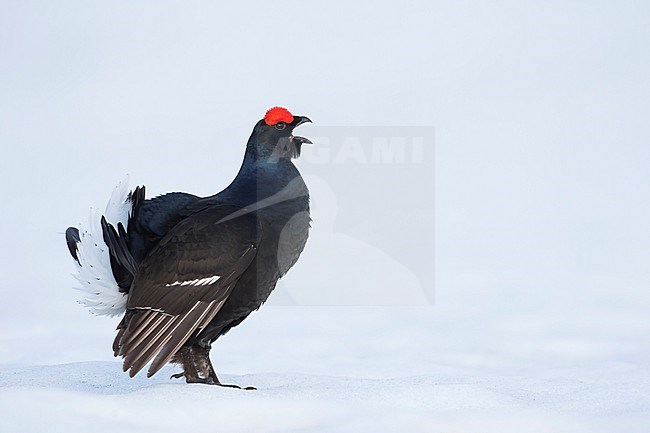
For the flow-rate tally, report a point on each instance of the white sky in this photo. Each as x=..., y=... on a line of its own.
x=540, y=110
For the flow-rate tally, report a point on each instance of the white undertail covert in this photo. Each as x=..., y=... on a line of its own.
x=101, y=293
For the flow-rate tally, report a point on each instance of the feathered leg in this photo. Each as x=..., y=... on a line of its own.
x=185, y=357
x=197, y=367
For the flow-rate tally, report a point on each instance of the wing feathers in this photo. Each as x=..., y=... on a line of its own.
x=181, y=285
x=161, y=334
x=145, y=330
x=190, y=323
x=137, y=357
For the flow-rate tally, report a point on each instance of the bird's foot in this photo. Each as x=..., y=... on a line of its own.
x=204, y=364
x=197, y=367
x=247, y=388
x=190, y=378
x=203, y=380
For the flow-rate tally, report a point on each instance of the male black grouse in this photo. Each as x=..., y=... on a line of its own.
x=184, y=269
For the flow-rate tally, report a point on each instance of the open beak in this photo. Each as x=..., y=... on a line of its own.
x=299, y=120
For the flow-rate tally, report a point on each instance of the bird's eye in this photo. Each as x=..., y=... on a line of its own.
x=280, y=125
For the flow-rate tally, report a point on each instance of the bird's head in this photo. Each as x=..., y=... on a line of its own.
x=273, y=136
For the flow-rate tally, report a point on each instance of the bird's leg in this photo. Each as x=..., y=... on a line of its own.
x=186, y=358
x=197, y=367
x=204, y=365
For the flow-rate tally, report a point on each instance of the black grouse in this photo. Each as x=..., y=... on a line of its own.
x=183, y=269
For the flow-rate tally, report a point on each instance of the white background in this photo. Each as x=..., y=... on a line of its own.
x=542, y=200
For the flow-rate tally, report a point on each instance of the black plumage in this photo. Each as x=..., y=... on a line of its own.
x=72, y=239
x=195, y=267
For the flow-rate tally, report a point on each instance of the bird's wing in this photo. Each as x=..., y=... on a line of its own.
x=153, y=219
x=183, y=282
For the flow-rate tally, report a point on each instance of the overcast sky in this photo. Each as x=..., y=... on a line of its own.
x=539, y=110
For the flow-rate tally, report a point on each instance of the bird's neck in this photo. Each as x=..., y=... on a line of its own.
x=261, y=177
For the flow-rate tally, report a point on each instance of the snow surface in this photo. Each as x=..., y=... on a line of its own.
x=353, y=369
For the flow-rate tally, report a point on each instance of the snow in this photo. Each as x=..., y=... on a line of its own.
x=354, y=369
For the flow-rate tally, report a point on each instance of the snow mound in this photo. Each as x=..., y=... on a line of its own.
x=369, y=370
